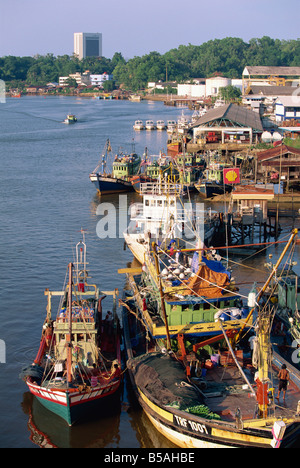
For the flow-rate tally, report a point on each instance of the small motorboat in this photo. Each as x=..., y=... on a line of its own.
x=71, y=118
x=138, y=125
x=160, y=125
x=150, y=125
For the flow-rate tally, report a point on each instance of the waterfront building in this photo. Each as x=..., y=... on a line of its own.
x=281, y=163
x=207, y=87
x=81, y=79
x=228, y=124
x=266, y=76
x=287, y=108
x=98, y=80
x=87, y=45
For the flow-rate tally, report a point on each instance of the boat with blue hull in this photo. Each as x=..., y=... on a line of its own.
x=106, y=184
x=123, y=168
x=77, y=369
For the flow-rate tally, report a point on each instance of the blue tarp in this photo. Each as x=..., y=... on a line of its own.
x=216, y=266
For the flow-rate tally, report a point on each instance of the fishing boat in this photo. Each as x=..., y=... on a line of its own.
x=123, y=168
x=150, y=125
x=153, y=167
x=186, y=357
x=212, y=182
x=166, y=215
x=190, y=168
x=160, y=125
x=71, y=118
x=138, y=125
x=78, y=365
x=171, y=126
x=174, y=145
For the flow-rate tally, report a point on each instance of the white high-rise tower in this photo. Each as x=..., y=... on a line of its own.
x=88, y=45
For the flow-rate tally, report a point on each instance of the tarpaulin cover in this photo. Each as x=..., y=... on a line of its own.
x=207, y=283
x=216, y=266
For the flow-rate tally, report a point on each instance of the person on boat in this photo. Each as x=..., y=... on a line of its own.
x=116, y=371
x=48, y=333
x=284, y=378
x=108, y=323
x=94, y=376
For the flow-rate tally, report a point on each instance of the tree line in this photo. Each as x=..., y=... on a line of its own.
x=227, y=57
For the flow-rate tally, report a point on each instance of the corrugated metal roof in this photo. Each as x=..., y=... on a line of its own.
x=272, y=90
x=278, y=151
x=289, y=101
x=237, y=114
x=277, y=71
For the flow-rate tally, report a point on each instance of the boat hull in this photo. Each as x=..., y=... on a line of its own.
x=210, y=190
x=137, y=180
x=74, y=406
x=106, y=185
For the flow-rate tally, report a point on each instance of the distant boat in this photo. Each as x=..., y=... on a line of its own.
x=138, y=125
x=70, y=119
x=171, y=126
x=78, y=364
x=160, y=125
x=134, y=98
x=150, y=125
x=124, y=167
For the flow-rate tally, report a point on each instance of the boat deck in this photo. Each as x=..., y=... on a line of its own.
x=226, y=389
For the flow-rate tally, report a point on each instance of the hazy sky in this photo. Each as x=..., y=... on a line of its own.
x=137, y=27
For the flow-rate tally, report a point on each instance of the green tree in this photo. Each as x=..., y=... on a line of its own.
x=229, y=93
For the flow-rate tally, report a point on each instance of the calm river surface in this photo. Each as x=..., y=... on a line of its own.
x=46, y=198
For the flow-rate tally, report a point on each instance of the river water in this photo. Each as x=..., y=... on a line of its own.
x=46, y=198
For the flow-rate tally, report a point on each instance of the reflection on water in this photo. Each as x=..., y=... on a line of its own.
x=47, y=198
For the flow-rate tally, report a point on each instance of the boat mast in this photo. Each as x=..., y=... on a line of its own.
x=105, y=154
x=69, y=335
x=260, y=294
x=163, y=308
x=264, y=340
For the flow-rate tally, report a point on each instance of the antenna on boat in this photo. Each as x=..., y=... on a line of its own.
x=69, y=334
x=81, y=272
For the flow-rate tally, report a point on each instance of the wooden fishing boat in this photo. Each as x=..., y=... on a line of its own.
x=212, y=183
x=124, y=167
x=152, y=168
x=190, y=372
x=78, y=365
x=166, y=216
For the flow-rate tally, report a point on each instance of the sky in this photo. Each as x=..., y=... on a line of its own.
x=137, y=27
